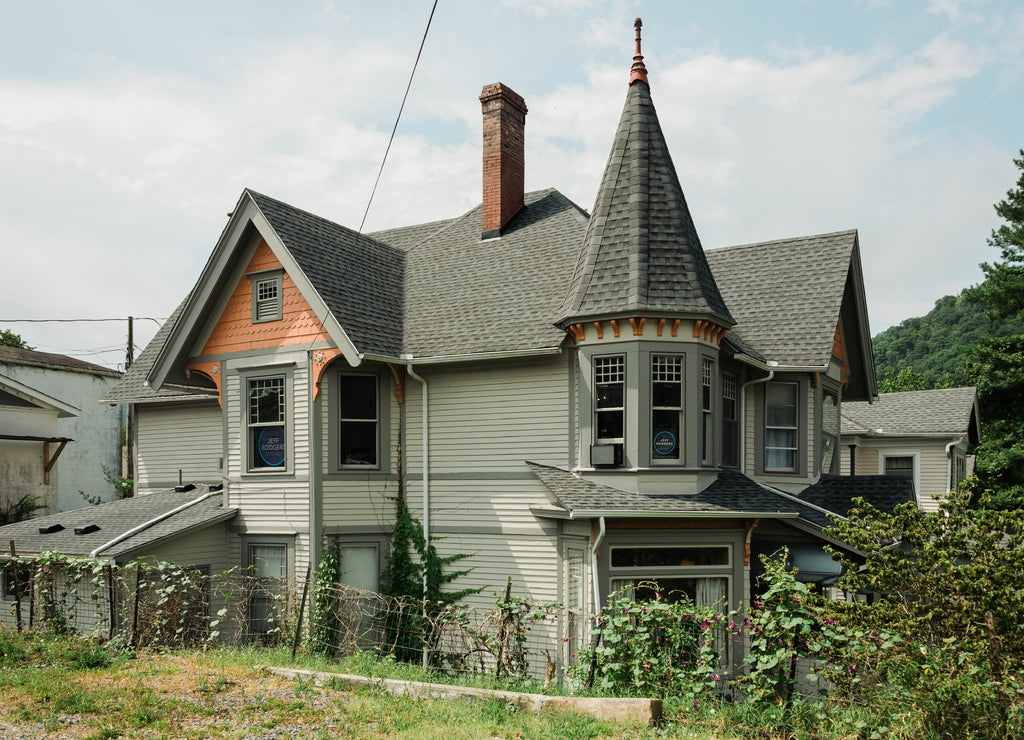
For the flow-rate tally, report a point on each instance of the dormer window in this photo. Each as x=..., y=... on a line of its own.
x=266, y=296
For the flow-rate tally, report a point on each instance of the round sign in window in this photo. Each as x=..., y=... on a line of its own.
x=664, y=442
x=271, y=446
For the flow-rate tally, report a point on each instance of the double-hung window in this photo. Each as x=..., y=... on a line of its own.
x=610, y=398
x=781, y=428
x=359, y=421
x=666, y=407
x=266, y=423
x=730, y=438
x=707, y=415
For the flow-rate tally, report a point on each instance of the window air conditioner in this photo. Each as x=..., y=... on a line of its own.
x=606, y=455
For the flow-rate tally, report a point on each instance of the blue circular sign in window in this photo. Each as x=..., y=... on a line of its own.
x=271, y=446
x=664, y=442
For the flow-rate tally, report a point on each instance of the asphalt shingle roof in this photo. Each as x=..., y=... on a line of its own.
x=133, y=386
x=732, y=494
x=358, y=277
x=947, y=411
x=33, y=358
x=465, y=295
x=786, y=295
x=641, y=252
x=837, y=492
x=117, y=518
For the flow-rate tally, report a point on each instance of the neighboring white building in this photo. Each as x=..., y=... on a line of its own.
x=95, y=428
x=30, y=443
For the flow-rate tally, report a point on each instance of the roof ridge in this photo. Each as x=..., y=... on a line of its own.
x=783, y=240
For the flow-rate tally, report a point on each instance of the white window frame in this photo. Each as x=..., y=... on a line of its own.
x=884, y=454
x=267, y=295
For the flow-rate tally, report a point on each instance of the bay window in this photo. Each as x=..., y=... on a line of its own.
x=610, y=398
x=666, y=407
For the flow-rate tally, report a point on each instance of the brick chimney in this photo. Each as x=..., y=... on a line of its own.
x=504, y=160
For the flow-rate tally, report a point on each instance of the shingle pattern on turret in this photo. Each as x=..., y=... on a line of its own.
x=641, y=253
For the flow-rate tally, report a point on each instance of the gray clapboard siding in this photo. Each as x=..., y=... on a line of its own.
x=492, y=416
x=532, y=562
x=173, y=437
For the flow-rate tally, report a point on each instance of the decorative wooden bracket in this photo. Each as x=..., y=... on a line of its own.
x=211, y=370
x=321, y=359
x=398, y=371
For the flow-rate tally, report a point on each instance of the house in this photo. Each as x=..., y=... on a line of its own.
x=30, y=442
x=186, y=526
x=580, y=401
x=923, y=436
x=94, y=427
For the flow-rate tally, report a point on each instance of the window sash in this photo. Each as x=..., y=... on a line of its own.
x=358, y=421
x=609, y=398
x=266, y=421
x=781, y=443
x=667, y=394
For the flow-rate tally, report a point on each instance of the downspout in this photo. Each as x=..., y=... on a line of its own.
x=315, y=464
x=146, y=525
x=593, y=564
x=743, y=417
x=425, y=438
x=949, y=462
x=426, y=449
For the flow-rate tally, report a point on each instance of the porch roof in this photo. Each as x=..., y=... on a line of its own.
x=732, y=495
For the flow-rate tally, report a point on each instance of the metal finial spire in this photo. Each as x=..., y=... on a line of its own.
x=638, y=71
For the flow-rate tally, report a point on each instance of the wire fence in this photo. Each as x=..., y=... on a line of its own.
x=166, y=606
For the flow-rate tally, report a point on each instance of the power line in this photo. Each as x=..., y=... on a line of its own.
x=71, y=321
x=398, y=118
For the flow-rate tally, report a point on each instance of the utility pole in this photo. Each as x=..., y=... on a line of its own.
x=129, y=432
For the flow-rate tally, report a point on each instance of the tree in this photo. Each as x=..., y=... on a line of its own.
x=1003, y=289
x=994, y=366
x=948, y=583
x=906, y=379
x=10, y=339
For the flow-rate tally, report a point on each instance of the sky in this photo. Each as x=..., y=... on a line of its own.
x=129, y=129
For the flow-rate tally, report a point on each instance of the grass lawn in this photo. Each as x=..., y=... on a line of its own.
x=69, y=688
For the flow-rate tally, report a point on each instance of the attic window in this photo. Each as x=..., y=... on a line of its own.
x=266, y=296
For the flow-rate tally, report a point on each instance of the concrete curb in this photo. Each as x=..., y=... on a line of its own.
x=640, y=711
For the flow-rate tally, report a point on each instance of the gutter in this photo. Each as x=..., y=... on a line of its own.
x=146, y=525
x=408, y=360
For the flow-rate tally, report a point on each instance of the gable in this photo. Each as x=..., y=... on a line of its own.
x=235, y=330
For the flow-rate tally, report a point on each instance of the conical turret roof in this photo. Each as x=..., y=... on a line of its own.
x=641, y=253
